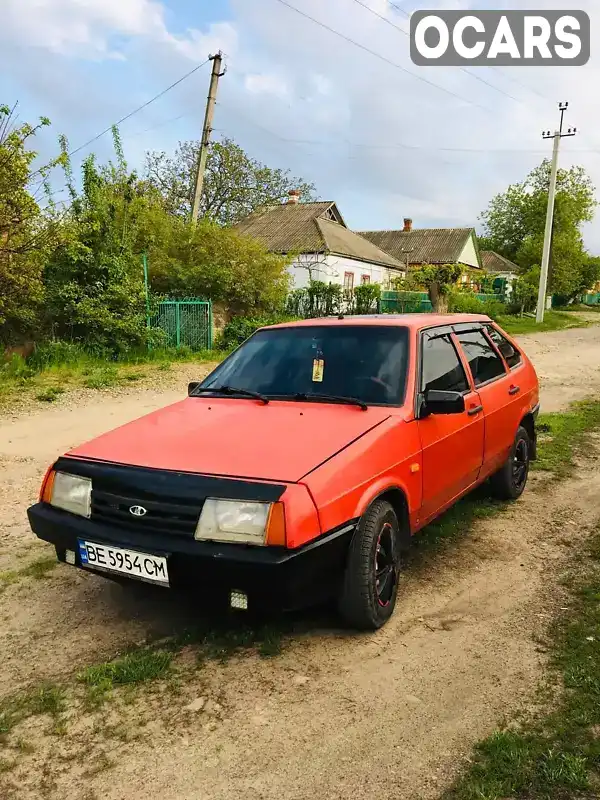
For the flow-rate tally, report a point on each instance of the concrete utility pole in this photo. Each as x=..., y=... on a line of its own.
x=206, y=132
x=557, y=136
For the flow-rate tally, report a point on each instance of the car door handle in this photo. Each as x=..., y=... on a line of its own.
x=474, y=411
x=514, y=390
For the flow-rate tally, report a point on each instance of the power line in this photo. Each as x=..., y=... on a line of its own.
x=379, y=56
x=140, y=108
x=462, y=69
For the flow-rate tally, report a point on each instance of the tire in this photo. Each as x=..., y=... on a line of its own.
x=366, y=602
x=510, y=481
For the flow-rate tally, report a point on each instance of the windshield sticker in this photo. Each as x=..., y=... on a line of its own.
x=318, y=369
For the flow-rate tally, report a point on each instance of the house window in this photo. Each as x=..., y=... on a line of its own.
x=365, y=279
x=348, y=281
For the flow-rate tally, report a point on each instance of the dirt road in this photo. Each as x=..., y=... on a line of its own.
x=335, y=715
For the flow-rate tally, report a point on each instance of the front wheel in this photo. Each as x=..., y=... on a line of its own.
x=510, y=481
x=370, y=586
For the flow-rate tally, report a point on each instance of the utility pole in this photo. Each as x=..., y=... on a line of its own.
x=557, y=136
x=206, y=132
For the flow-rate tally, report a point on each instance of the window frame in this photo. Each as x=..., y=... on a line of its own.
x=469, y=327
x=365, y=279
x=442, y=330
x=350, y=287
x=489, y=325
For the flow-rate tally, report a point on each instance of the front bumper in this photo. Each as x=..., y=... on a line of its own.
x=272, y=577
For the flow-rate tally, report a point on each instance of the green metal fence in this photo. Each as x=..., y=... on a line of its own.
x=186, y=323
x=591, y=299
x=404, y=302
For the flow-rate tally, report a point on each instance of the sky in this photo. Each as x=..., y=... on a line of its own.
x=383, y=138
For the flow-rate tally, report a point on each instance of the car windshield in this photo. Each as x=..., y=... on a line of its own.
x=361, y=362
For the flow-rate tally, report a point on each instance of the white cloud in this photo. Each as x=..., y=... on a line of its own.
x=378, y=138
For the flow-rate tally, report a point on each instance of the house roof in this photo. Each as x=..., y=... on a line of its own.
x=494, y=262
x=311, y=228
x=424, y=245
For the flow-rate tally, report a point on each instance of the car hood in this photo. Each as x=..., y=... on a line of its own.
x=282, y=441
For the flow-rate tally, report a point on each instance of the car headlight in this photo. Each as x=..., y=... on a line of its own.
x=233, y=521
x=72, y=493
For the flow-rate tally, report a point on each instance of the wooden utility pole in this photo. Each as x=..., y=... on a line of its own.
x=557, y=136
x=206, y=132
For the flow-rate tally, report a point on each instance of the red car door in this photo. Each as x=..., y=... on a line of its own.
x=495, y=387
x=452, y=444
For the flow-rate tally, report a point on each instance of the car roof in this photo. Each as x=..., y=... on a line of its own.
x=412, y=321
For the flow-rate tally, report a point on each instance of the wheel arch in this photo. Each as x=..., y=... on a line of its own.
x=396, y=496
x=528, y=422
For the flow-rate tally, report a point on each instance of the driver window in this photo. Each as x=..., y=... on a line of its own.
x=441, y=366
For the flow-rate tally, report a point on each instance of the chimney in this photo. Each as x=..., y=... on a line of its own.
x=294, y=197
x=407, y=225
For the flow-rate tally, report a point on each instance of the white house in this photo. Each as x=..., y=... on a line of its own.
x=502, y=268
x=325, y=248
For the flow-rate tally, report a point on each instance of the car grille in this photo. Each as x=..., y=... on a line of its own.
x=161, y=515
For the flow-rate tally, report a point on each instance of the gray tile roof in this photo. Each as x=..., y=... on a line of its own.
x=426, y=245
x=494, y=262
x=302, y=228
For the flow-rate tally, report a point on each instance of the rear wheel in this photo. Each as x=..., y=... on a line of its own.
x=510, y=481
x=370, y=584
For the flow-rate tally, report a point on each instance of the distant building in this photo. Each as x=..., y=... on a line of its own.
x=505, y=271
x=416, y=246
x=325, y=248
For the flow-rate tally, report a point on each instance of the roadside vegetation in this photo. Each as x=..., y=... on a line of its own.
x=553, y=321
x=553, y=755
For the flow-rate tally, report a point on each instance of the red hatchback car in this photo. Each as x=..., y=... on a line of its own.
x=299, y=469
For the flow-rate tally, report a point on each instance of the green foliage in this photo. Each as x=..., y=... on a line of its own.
x=366, y=298
x=238, y=329
x=514, y=224
x=318, y=299
x=525, y=292
x=438, y=280
x=26, y=233
x=94, y=278
x=468, y=303
x=234, y=184
x=553, y=321
x=217, y=263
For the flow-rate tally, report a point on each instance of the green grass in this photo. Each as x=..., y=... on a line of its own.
x=43, y=699
x=553, y=321
x=556, y=755
x=37, y=569
x=59, y=367
x=562, y=436
x=136, y=667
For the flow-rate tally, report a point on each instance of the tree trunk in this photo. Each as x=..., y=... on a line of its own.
x=438, y=300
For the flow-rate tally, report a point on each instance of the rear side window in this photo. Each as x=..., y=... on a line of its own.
x=483, y=360
x=441, y=369
x=510, y=353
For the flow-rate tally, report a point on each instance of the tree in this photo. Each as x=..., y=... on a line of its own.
x=218, y=264
x=437, y=280
x=94, y=278
x=26, y=232
x=234, y=184
x=514, y=224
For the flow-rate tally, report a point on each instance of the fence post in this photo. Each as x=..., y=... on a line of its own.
x=145, y=263
x=177, y=325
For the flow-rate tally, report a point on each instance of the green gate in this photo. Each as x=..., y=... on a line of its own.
x=186, y=323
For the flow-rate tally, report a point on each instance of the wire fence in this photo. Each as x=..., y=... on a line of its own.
x=186, y=323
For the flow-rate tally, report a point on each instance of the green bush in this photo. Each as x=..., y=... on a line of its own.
x=366, y=298
x=239, y=329
x=466, y=303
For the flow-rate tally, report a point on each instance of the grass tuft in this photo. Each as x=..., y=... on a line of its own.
x=136, y=667
x=43, y=699
x=38, y=569
x=50, y=394
x=553, y=321
x=562, y=436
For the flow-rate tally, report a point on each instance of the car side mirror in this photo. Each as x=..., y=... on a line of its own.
x=192, y=385
x=438, y=402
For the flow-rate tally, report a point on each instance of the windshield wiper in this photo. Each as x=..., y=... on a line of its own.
x=334, y=398
x=231, y=390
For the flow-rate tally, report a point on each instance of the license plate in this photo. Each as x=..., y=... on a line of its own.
x=143, y=566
